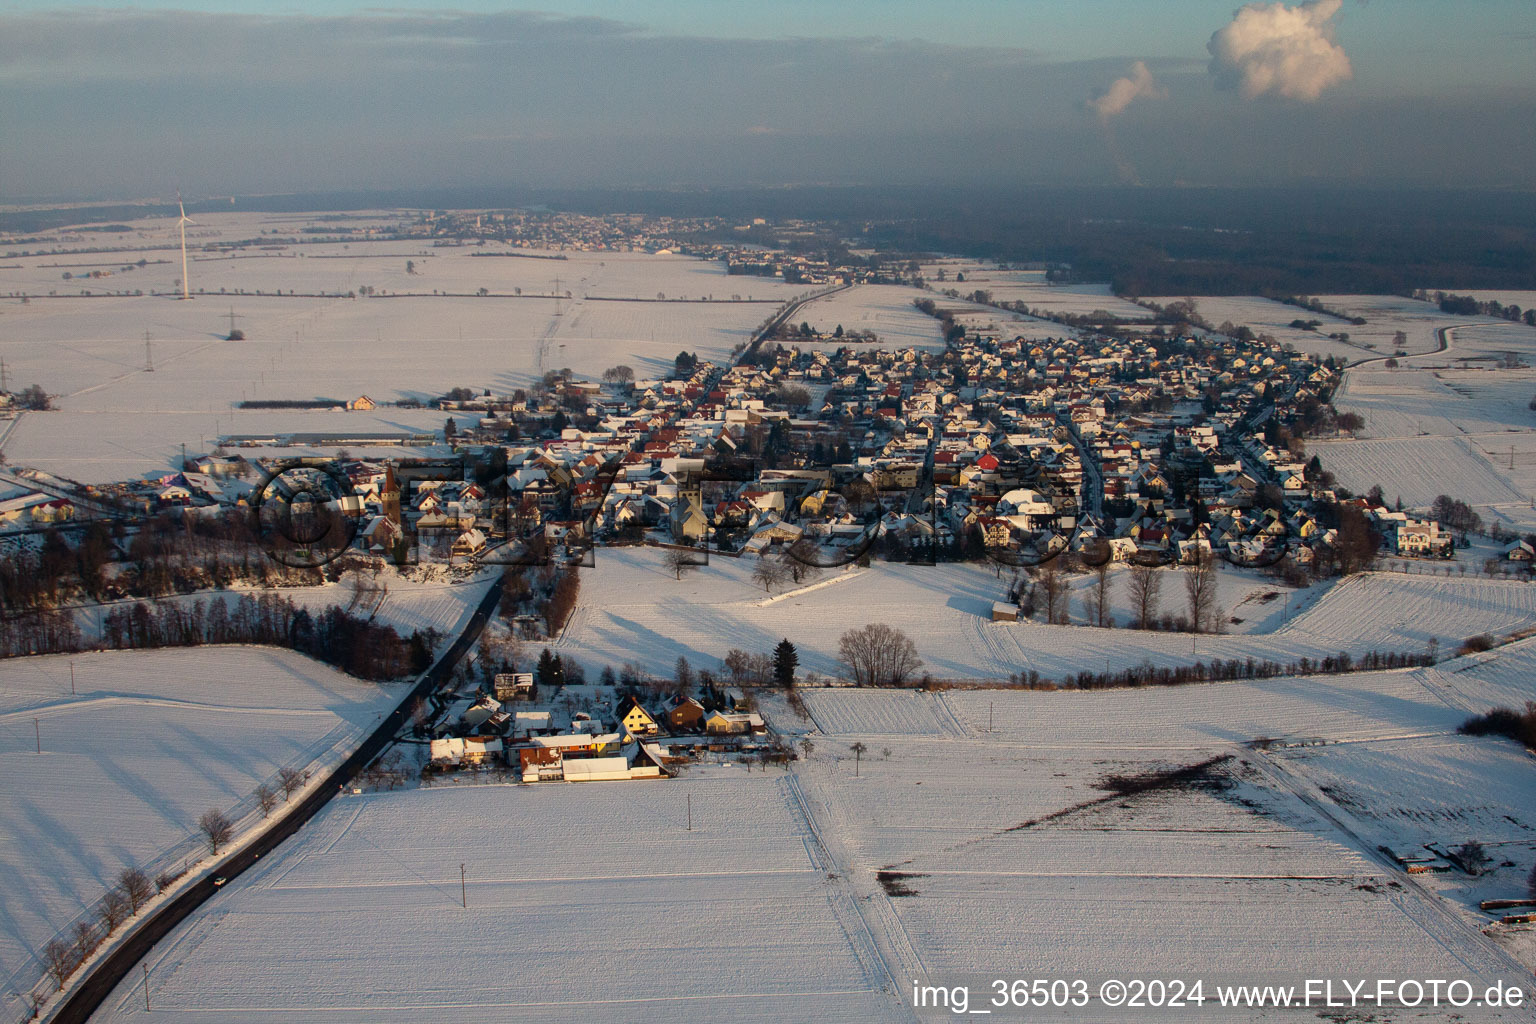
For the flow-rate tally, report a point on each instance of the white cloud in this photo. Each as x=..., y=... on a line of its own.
x=1125, y=90
x=1276, y=49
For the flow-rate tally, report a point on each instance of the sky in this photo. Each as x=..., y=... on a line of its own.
x=223, y=96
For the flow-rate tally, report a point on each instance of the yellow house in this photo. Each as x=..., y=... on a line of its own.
x=637, y=721
x=811, y=504
x=362, y=403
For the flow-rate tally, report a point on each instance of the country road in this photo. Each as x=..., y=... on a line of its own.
x=113, y=967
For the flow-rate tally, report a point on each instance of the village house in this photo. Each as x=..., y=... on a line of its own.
x=721, y=723
x=635, y=720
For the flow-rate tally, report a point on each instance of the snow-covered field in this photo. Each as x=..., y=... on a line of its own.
x=1387, y=314
x=633, y=610
x=428, y=599
x=1275, y=877
x=147, y=743
x=593, y=902
x=885, y=309
x=1266, y=316
x=1466, y=425
x=1411, y=403
x=1398, y=465
x=597, y=901
x=1030, y=287
x=303, y=342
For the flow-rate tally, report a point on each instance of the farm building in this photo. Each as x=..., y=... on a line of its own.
x=722, y=724
x=514, y=685
x=467, y=750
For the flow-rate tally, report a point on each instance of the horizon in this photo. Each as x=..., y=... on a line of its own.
x=222, y=99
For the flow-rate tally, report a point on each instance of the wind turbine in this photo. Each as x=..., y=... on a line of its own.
x=182, y=224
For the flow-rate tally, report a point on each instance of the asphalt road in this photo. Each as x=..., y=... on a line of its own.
x=114, y=967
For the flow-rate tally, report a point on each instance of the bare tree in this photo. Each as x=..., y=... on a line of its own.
x=216, y=828
x=620, y=374
x=858, y=754
x=678, y=561
x=800, y=560
x=1053, y=587
x=136, y=886
x=59, y=956
x=86, y=940
x=113, y=911
x=1200, y=589
x=1145, y=584
x=770, y=573
x=878, y=655
x=266, y=796
x=1473, y=857
x=1097, y=602
x=291, y=780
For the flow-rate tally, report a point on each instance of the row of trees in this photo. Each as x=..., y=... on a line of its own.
x=1049, y=588
x=167, y=554
x=1232, y=669
x=1469, y=305
x=354, y=645
x=547, y=592
x=62, y=956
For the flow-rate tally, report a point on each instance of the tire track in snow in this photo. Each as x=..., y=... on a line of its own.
x=960, y=729
x=868, y=946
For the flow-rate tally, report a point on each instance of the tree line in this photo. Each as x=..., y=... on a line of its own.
x=1468, y=305
x=368, y=650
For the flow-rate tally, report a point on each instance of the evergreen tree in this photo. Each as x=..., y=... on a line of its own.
x=548, y=672
x=785, y=661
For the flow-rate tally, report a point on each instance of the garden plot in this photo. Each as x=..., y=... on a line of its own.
x=1497, y=342
x=592, y=901
x=147, y=743
x=1387, y=314
x=1429, y=797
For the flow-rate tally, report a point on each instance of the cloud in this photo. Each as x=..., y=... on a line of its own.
x=1125, y=90
x=1276, y=49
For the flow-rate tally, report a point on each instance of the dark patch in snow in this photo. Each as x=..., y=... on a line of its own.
x=895, y=882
